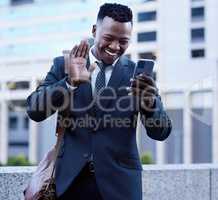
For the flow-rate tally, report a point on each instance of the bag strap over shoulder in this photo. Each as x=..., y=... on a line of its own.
x=60, y=136
x=60, y=129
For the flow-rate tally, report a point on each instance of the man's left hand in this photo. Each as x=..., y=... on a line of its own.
x=144, y=87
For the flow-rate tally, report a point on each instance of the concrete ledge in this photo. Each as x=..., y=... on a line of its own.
x=214, y=184
x=167, y=182
x=178, y=182
x=13, y=180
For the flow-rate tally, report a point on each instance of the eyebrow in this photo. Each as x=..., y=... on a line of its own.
x=123, y=38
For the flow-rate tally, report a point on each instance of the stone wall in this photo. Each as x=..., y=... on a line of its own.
x=167, y=182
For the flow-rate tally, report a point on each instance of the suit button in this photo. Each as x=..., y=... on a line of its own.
x=85, y=155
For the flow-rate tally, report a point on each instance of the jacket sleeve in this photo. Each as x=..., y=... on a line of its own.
x=157, y=123
x=51, y=95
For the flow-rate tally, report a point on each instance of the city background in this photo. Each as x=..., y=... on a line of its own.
x=180, y=35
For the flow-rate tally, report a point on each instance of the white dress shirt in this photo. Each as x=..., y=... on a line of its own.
x=93, y=60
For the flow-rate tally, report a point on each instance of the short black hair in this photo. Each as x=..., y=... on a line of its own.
x=117, y=12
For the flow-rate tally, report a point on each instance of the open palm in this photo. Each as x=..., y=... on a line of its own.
x=76, y=65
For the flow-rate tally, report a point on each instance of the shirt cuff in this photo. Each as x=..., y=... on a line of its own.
x=70, y=86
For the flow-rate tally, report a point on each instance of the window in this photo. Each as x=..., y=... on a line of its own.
x=197, y=13
x=198, y=53
x=19, y=85
x=174, y=144
x=147, y=16
x=13, y=122
x=197, y=34
x=147, y=36
x=147, y=55
x=20, y=144
x=19, y=2
x=201, y=135
x=26, y=123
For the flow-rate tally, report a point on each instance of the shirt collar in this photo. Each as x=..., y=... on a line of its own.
x=93, y=59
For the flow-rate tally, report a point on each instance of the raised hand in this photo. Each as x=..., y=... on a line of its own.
x=75, y=64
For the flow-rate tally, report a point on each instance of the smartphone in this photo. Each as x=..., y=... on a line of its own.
x=144, y=66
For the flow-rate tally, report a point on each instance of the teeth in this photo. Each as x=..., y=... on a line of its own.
x=111, y=54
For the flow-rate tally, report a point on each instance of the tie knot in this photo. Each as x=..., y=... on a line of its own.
x=102, y=66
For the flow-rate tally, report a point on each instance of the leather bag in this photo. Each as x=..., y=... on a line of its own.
x=42, y=184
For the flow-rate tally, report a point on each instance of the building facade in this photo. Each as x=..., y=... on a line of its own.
x=180, y=36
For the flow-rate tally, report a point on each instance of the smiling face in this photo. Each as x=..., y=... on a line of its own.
x=111, y=39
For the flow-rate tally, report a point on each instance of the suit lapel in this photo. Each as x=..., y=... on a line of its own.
x=116, y=80
x=117, y=74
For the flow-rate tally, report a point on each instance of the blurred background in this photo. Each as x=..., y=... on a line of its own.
x=180, y=35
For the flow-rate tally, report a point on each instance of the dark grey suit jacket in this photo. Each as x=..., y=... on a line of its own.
x=112, y=141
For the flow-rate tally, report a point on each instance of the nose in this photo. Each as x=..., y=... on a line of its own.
x=115, y=46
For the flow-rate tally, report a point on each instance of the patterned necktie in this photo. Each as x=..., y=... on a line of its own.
x=100, y=79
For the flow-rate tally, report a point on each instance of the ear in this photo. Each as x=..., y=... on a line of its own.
x=94, y=30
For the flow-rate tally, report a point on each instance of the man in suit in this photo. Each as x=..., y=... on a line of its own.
x=94, y=94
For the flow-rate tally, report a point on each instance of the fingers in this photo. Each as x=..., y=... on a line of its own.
x=77, y=68
x=147, y=103
x=143, y=93
x=85, y=50
x=145, y=85
x=73, y=52
x=146, y=79
x=145, y=98
x=82, y=49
